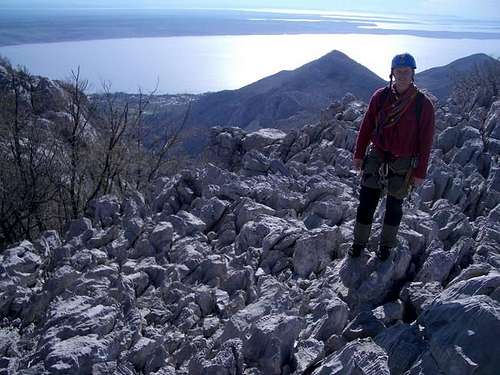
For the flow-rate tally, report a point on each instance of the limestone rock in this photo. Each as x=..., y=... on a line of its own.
x=312, y=253
x=261, y=138
x=403, y=346
x=78, y=227
x=365, y=324
x=107, y=209
x=161, y=236
x=186, y=224
x=389, y=312
x=459, y=331
x=308, y=353
x=418, y=295
x=271, y=342
x=239, y=266
x=360, y=356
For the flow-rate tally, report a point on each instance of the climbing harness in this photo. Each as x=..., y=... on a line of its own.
x=383, y=172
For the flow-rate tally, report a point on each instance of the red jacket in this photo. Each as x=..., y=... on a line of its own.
x=406, y=138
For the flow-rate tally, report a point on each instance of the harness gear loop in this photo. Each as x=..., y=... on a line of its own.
x=383, y=171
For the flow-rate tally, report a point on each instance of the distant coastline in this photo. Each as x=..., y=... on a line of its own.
x=46, y=27
x=198, y=64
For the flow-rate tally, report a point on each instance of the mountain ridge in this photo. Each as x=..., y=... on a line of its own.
x=440, y=80
x=289, y=99
x=286, y=99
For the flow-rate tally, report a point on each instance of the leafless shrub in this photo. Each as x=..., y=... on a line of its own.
x=50, y=174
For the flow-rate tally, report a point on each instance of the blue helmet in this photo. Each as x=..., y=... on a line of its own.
x=403, y=60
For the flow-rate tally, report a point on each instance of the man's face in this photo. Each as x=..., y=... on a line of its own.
x=403, y=76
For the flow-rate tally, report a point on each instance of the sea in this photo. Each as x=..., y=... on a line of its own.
x=196, y=64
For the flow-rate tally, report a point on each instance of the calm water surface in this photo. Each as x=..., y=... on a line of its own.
x=211, y=63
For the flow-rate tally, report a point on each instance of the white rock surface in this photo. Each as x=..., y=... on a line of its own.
x=239, y=267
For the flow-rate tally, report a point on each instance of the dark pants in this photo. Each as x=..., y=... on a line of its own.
x=368, y=202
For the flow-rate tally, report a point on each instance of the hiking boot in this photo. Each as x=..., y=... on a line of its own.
x=383, y=252
x=355, y=251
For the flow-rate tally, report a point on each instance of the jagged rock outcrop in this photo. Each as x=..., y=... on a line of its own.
x=49, y=100
x=239, y=267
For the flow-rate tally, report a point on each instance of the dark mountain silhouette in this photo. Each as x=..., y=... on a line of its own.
x=440, y=80
x=290, y=99
x=287, y=99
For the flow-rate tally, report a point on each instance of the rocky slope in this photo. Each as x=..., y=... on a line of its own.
x=239, y=267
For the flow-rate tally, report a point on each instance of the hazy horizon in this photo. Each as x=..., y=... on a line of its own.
x=199, y=50
x=485, y=9
x=201, y=64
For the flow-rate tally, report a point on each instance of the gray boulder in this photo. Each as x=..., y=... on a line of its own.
x=147, y=354
x=390, y=312
x=448, y=138
x=365, y=324
x=418, y=295
x=224, y=146
x=314, y=251
x=211, y=211
x=437, y=266
x=403, y=346
x=186, y=224
x=330, y=316
x=253, y=233
x=133, y=228
x=249, y=210
x=492, y=123
x=101, y=238
x=134, y=204
x=161, y=236
x=463, y=321
x=227, y=361
x=307, y=353
x=262, y=138
x=272, y=299
x=48, y=241
x=361, y=356
x=76, y=355
x=107, y=210
x=460, y=330
x=189, y=252
x=78, y=227
x=22, y=263
x=271, y=342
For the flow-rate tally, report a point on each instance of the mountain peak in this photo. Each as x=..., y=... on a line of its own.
x=335, y=56
x=307, y=90
x=337, y=53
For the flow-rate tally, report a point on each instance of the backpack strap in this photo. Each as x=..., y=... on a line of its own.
x=419, y=102
x=380, y=103
x=383, y=97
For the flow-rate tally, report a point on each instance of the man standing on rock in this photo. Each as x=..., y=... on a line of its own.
x=392, y=151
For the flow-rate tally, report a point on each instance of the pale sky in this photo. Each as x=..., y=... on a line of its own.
x=478, y=9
